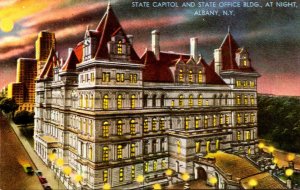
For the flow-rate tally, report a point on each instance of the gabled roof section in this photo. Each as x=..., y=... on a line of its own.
x=51, y=62
x=211, y=76
x=191, y=61
x=70, y=64
x=107, y=27
x=78, y=50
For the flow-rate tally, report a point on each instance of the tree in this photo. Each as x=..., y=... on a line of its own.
x=24, y=118
x=8, y=105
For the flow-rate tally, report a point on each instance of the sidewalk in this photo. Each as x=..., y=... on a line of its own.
x=39, y=164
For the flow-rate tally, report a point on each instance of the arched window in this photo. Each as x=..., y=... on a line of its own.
x=252, y=118
x=132, y=172
x=154, y=122
x=132, y=127
x=121, y=175
x=252, y=100
x=207, y=146
x=246, y=116
x=205, y=121
x=90, y=152
x=154, y=100
x=180, y=102
x=178, y=147
x=217, y=144
x=81, y=101
x=146, y=166
x=221, y=119
x=92, y=101
x=119, y=151
x=154, y=165
x=186, y=123
x=105, y=102
x=91, y=129
x=146, y=128
x=197, y=147
x=162, y=100
x=119, y=47
x=133, y=101
x=180, y=77
x=105, y=154
x=86, y=126
x=105, y=176
x=214, y=99
x=200, y=77
x=191, y=100
x=239, y=118
x=120, y=101
x=196, y=122
x=248, y=135
x=200, y=100
x=105, y=129
x=190, y=76
x=86, y=101
x=238, y=99
x=132, y=150
x=227, y=119
x=246, y=100
x=238, y=136
x=145, y=100
x=119, y=127
x=161, y=124
x=214, y=120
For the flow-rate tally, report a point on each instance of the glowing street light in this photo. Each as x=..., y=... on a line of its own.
x=289, y=172
x=157, y=186
x=106, y=186
x=169, y=174
x=59, y=162
x=185, y=177
x=52, y=157
x=252, y=183
x=290, y=157
x=271, y=149
x=261, y=145
x=140, y=179
x=67, y=171
x=213, y=180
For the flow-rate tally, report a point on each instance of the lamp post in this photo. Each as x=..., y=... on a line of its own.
x=290, y=158
x=52, y=158
x=67, y=171
x=59, y=163
x=213, y=180
x=157, y=186
x=169, y=174
x=271, y=150
x=106, y=186
x=78, y=179
x=252, y=183
x=289, y=172
x=261, y=147
x=140, y=179
x=185, y=177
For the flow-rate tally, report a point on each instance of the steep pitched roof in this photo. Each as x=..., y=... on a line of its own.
x=78, y=50
x=51, y=62
x=107, y=27
x=229, y=49
x=70, y=64
x=210, y=75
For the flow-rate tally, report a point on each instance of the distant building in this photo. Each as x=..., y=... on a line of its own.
x=113, y=116
x=23, y=90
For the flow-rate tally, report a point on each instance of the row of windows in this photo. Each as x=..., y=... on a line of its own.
x=190, y=76
x=120, y=126
x=246, y=117
x=245, y=100
x=161, y=124
x=198, y=146
x=88, y=77
x=244, y=84
x=106, y=77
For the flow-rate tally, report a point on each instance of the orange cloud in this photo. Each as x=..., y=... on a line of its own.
x=16, y=52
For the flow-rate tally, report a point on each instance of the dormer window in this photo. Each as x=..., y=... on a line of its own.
x=119, y=47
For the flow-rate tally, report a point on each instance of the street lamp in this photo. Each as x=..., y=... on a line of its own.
x=185, y=177
x=78, y=179
x=169, y=174
x=271, y=150
x=289, y=172
x=252, y=183
x=157, y=186
x=67, y=171
x=59, y=163
x=140, y=179
x=106, y=186
x=261, y=146
x=52, y=158
x=213, y=180
x=290, y=158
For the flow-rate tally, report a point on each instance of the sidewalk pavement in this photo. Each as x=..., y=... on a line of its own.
x=39, y=164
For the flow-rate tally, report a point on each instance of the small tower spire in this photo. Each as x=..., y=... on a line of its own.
x=108, y=4
x=228, y=28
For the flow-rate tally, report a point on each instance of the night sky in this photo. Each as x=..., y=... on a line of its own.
x=271, y=35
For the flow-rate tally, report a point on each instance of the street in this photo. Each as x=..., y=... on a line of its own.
x=12, y=156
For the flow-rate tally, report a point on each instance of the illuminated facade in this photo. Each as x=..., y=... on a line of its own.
x=113, y=116
x=23, y=90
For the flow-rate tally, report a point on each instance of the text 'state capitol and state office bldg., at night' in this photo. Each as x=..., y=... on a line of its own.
x=113, y=116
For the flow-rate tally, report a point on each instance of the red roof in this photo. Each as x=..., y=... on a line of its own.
x=107, y=28
x=78, y=50
x=70, y=64
x=159, y=70
x=229, y=48
x=51, y=62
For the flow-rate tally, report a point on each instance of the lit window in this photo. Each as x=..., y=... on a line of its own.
x=121, y=175
x=90, y=153
x=119, y=47
x=172, y=103
x=86, y=101
x=238, y=83
x=245, y=63
x=154, y=124
x=132, y=173
x=133, y=78
x=105, y=154
x=226, y=119
x=154, y=165
x=186, y=123
x=200, y=77
x=81, y=101
x=200, y=100
x=163, y=164
x=178, y=147
x=249, y=150
x=81, y=125
x=119, y=127
x=105, y=129
x=132, y=127
x=252, y=84
x=252, y=100
x=206, y=102
x=92, y=101
x=146, y=166
x=133, y=101
x=217, y=144
x=238, y=136
x=92, y=77
x=119, y=152
x=207, y=146
x=252, y=118
x=197, y=122
x=180, y=75
x=221, y=119
x=132, y=150
x=190, y=76
x=162, y=124
x=239, y=118
x=180, y=100
x=197, y=147
x=191, y=101
x=105, y=77
x=245, y=83
x=120, y=101
x=214, y=120
x=91, y=129
x=146, y=125
x=105, y=176
x=246, y=100
x=105, y=102
x=120, y=77
x=238, y=100
x=248, y=135
x=205, y=121
x=246, y=118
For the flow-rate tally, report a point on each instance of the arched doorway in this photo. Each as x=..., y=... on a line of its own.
x=201, y=174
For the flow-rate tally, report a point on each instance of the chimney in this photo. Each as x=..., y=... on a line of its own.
x=194, y=49
x=155, y=43
x=130, y=38
x=218, y=60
